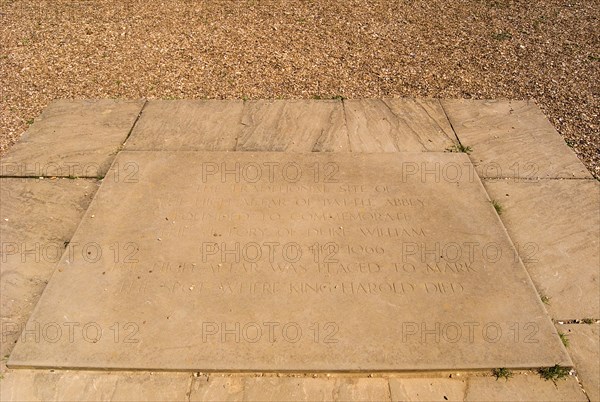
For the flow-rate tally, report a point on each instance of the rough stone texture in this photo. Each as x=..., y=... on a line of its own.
x=178, y=299
x=77, y=138
x=208, y=125
x=427, y=389
x=555, y=225
x=37, y=218
x=255, y=388
x=28, y=385
x=362, y=389
x=585, y=351
x=294, y=126
x=237, y=388
x=523, y=387
x=512, y=139
x=397, y=125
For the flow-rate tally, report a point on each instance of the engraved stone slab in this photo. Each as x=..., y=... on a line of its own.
x=277, y=261
x=72, y=138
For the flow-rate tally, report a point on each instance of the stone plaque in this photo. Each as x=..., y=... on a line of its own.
x=290, y=262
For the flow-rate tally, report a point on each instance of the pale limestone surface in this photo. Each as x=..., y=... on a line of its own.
x=37, y=219
x=42, y=385
x=373, y=125
x=293, y=126
x=584, y=348
x=362, y=389
x=246, y=388
x=216, y=388
x=183, y=304
x=512, y=139
x=523, y=388
x=20, y=384
x=77, y=138
x=555, y=225
x=428, y=389
x=397, y=125
x=209, y=125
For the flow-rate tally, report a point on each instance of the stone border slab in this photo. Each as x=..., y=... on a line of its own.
x=555, y=225
x=232, y=125
x=427, y=389
x=584, y=348
x=293, y=126
x=72, y=138
x=398, y=125
x=528, y=387
x=370, y=125
x=41, y=385
x=174, y=125
x=37, y=220
x=512, y=139
x=244, y=388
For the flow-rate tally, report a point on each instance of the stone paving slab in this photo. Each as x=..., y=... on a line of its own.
x=512, y=139
x=391, y=125
x=555, y=225
x=42, y=385
x=264, y=125
x=37, y=220
x=180, y=285
x=76, y=138
x=243, y=388
x=293, y=126
x=398, y=125
x=523, y=388
x=428, y=389
x=206, y=125
x=584, y=348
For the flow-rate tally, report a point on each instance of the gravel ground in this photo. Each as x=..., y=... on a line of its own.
x=547, y=50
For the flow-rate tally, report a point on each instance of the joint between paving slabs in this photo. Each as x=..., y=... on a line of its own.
x=451, y=125
x=190, y=388
x=346, y=125
x=120, y=148
x=579, y=321
x=98, y=177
